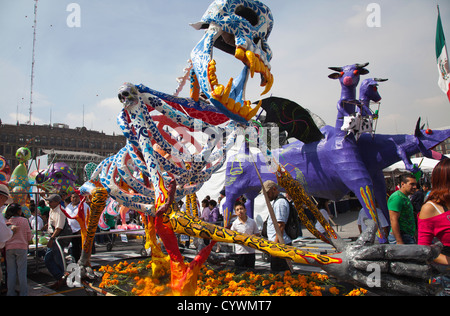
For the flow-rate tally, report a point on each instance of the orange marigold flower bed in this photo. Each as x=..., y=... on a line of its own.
x=135, y=279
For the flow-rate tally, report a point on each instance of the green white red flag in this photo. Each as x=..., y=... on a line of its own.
x=442, y=58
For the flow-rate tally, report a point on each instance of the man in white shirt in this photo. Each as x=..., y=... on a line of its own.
x=244, y=225
x=281, y=209
x=56, y=224
x=72, y=210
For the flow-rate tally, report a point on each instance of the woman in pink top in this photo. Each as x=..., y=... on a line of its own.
x=434, y=217
x=17, y=249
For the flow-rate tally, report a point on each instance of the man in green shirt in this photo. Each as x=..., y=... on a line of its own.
x=401, y=212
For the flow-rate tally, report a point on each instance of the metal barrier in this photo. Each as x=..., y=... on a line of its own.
x=118, y=232
x=37, y=198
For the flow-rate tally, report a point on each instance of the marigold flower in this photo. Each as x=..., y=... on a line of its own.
x=232, y=285
x=279, y=292
x=334, y=290
x=316, y=293
x=357, y=292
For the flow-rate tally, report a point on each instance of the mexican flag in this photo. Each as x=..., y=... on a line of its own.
x=442, y=59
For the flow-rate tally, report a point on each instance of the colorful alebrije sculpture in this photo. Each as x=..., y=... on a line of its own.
x=173, y=165
x=59, y=176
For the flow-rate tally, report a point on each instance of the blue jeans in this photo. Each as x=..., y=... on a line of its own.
x=407, y=239
x=16, y=268
x=54, y=262
x=445, y=281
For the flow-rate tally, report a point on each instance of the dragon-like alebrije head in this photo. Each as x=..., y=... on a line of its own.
x=240, y=28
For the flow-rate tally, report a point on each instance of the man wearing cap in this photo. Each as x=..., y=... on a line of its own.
x=281, y=209
x=56, y=223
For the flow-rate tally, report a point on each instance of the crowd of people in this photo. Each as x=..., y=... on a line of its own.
x=416, y=216
x=16, y=235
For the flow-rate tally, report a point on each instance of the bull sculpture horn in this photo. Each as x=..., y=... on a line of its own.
x=361, y=65
x=338, y=69
x=417, y=132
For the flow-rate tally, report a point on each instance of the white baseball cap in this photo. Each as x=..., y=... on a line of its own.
x=5, y=191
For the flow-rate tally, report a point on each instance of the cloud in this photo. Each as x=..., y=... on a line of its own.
x=112, y=104
x=359, y=19
x=41, y=101
x=103, y=116
x=431, y=102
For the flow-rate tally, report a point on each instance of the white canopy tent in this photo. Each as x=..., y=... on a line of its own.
x=217, y=182
x=426, y=164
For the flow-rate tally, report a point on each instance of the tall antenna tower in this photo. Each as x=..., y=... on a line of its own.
x=32, y=63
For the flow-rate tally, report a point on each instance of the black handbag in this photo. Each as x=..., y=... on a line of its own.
x=65, y=232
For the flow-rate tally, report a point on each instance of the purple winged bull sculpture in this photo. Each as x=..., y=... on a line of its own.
x=338, y=164
x=349, y=77
x=329, y=170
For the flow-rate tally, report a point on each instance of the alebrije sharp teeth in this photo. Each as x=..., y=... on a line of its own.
x=222, y=93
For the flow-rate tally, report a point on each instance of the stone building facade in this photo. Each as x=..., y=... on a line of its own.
x=75, y=147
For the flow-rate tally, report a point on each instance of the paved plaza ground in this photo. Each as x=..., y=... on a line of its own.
x=39, y=280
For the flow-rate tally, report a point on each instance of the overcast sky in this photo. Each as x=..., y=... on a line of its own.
x=149, y=42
